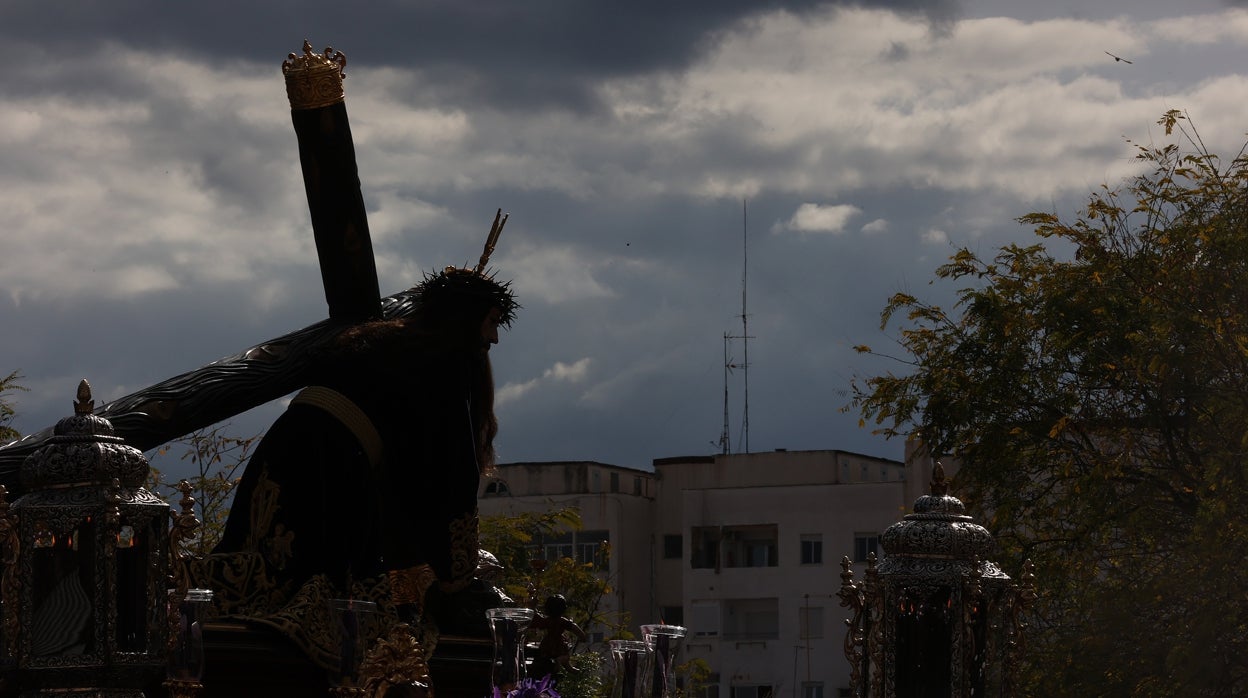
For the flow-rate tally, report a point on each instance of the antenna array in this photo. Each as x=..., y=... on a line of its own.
x=725, y=439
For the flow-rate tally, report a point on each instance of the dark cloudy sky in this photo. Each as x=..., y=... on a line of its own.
x=154, y=217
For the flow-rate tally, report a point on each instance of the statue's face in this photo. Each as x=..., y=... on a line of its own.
x=489, y=328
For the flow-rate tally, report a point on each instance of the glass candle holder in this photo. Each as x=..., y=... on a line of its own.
x=507, y=628
x=664, y=642
x=347, y=616
x=186, y=661
x=632, y=659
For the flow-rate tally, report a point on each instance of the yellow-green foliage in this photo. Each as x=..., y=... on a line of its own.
x=8, y=384
x=584, y=585
x=1094, y=386
x=218, y=460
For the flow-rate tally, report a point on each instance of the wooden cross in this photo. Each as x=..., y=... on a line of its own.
x=229, y=386
x=318, y=109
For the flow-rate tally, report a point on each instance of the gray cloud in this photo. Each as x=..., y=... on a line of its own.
x=533, y=53
x=155, y=217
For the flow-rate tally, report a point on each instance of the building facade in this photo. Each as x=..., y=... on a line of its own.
x=615, y=504
x=743, y=550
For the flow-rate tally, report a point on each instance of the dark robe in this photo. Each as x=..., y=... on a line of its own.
x=327, y=510
x=312, y=502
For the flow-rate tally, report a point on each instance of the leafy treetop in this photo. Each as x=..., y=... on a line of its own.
x=8, y=384
x=1097, y=402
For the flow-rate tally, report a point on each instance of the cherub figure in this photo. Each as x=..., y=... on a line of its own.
x=554, y=652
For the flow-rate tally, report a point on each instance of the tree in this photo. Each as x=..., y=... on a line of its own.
x=217, y=459
x=8, y=384
x=692, y=678
x=515, y=540
x=590, y=680
x=1096, y=397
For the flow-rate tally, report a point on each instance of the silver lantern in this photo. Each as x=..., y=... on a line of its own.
x=92, y=567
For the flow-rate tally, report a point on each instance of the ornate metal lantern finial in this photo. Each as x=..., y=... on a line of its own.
x=185, y=525
x=84, y=404
x=939, y=486
x=314, y=80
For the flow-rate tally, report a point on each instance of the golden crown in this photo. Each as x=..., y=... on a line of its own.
x=314, y=80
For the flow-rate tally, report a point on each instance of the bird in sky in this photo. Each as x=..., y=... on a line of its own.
x=1118, y=58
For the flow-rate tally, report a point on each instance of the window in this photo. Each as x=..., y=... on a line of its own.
x=751, y=619
x=615, y=482
x=864, y=545
x=733, y=546
x=760, y=553
x=705, y=553
x=751, y=692
x=673, y=546
x=592, y=547
x=583, y=546
x=637, y=486
x=810, y=622
x=672, y=615
x=812, y=689
x=710, y=690
x=704, y=618
x=812, y=549
x=591, y=553
x=496, y=488
x=750, y=546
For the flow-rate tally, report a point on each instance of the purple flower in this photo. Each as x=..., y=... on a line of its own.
x=529, y=688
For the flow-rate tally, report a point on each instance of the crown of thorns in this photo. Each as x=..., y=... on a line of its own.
x=453, y=286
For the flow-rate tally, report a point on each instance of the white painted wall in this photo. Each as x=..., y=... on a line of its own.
x=830, y=494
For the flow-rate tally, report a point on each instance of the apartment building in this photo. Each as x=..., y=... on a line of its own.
x=616, y=505
x=751, y=557
x=743, y=550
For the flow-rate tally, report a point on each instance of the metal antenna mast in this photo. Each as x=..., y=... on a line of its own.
x=745, y=327
x=725, y=439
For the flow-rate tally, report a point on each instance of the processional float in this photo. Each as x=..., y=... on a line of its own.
x=234, y=384
x=111, y=544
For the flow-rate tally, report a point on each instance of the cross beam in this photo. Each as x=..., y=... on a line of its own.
x=318, y=110
x=267, y=371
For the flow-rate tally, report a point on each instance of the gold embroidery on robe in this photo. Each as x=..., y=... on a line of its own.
x=465, y=551
x=264, y=508
x=279, y=547
x=408, y=586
